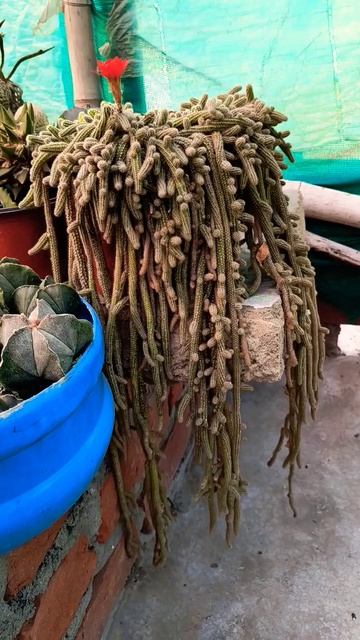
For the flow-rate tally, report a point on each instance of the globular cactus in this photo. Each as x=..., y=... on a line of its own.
x=14, y=275
x=40, y=335
x=40, y=348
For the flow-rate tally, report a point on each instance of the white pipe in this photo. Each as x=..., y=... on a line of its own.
x=78, y=28
x=333, y=249
x=328, y=204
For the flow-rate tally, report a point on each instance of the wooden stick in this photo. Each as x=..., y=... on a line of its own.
x=78, y=27
x=328, y=204
x=333, y=249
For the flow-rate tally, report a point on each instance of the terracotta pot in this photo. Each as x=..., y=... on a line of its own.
x=20, y=229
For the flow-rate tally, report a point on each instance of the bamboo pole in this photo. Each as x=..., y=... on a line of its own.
x=86, y=85
x=328, y=204
x=333, y=249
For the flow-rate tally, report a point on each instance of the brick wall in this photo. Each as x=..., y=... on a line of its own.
x=64, y=583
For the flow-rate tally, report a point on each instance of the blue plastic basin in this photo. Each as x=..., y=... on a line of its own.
x=52, y=444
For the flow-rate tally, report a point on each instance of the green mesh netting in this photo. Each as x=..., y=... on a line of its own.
x=301, y=56
x=45, y=80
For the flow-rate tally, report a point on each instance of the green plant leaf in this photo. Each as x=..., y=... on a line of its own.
x=6, y=200
x=6, y=117
x=12, y=152
x=20, y=114
x=24, y=119
x=13, y=276
x=24, y=299
x=61, y=297
x=12, y=135
x=30, y=120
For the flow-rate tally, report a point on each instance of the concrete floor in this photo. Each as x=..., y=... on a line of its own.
x=285, y=578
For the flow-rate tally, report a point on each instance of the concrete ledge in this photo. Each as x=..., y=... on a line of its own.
x=264, y=329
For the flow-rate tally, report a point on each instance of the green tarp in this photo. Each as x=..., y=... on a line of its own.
x=301, y=56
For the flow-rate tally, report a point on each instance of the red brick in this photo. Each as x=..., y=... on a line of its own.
x=171, y=455
x=23, y=563
x=106, y=588
x=109, y=509
x=174, y=450
x=58, y=604
x=176, y=392
x=133, y=461
x=132, y=465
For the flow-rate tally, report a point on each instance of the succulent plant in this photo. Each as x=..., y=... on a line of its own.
x=11, y=93
x=14, y=275
x=40, y=335
x=41, y=347
x=15, y=155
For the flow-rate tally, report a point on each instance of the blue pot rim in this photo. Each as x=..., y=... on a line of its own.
x=28, y=422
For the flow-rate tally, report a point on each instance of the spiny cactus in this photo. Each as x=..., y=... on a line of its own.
x=177, y=195
x=40, y=335
x=15, y=156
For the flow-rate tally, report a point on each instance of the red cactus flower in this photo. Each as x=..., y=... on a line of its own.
x=112, y=70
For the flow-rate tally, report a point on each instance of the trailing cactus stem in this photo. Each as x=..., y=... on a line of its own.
x=177, y=194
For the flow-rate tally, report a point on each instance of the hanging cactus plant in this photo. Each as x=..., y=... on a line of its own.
x=40, y=334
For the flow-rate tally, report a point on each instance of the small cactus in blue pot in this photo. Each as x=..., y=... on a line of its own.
x=40, y=334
